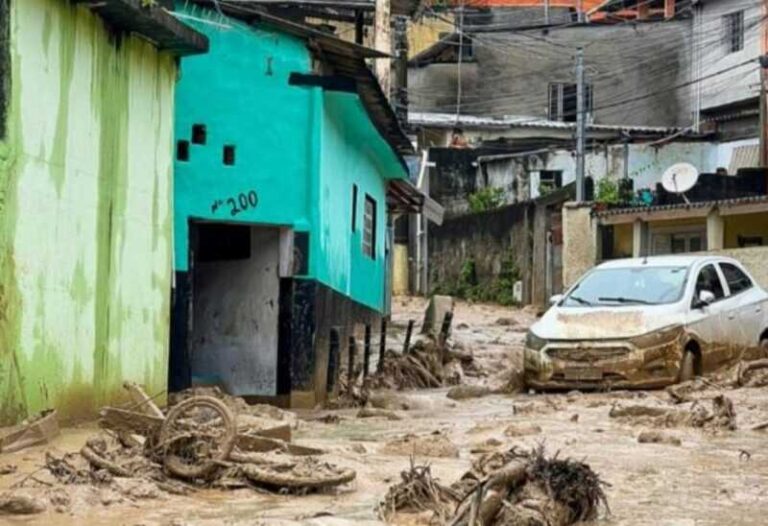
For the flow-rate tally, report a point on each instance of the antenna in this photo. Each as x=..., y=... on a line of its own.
x=679, y=178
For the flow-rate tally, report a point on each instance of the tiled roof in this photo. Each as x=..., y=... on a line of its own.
x=681, y=206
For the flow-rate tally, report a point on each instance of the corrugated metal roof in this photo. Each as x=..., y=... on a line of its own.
x=449, y=120
x=700, y=204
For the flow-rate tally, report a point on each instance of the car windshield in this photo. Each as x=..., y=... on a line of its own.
x=628, y=286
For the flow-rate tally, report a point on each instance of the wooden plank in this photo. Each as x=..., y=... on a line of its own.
x=120, y=420
x=143, y=403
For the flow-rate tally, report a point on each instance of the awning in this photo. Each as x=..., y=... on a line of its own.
x=404, y=198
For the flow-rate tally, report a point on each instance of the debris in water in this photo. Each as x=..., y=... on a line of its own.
x=463, y=392
x=39, y=429
x=658, y=437
x=19, y=502
x=372, y=412
x=418, y=491
x=434, y=445
x=532, y=489
x=520, y=430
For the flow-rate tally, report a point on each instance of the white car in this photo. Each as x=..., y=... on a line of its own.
x=648, y=322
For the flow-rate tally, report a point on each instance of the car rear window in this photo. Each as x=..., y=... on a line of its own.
x=737, y=280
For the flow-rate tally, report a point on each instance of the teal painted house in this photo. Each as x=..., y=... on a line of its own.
x=289, y=161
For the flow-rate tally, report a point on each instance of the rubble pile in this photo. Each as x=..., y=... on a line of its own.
x=721, y=415
x=206, y=439
x=426, y=364
x=512, y=488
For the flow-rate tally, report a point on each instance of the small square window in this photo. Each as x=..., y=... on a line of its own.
x=229, y=155
x=182, y=150
x=199, y=134
x=369, y=228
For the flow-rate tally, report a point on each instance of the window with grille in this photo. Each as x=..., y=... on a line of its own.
x=562, y=101
x=734, y=31
x=369, y=228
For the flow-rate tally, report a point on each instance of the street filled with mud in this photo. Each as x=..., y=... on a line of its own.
x=443, y=435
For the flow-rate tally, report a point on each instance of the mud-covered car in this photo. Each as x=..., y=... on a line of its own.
x=648, y=322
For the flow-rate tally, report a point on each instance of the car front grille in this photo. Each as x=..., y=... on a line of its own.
x=587, y=354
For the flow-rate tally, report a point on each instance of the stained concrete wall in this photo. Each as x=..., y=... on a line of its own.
x=234, y=337
x=435, y=87
x=626, y=63
x=85, y=213
x=580, y=249
x=487, y=238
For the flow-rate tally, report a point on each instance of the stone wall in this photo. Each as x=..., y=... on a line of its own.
x=489, y=239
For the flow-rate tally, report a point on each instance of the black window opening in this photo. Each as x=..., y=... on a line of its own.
x=223, y=242
x=737, y=280
x=199, y=134
x=550, y=180
x=369, y=228
x=182, y=150
x=228, y=155
x=354, y=207
x=563, y=101
x=734, y=31
x=5, y=65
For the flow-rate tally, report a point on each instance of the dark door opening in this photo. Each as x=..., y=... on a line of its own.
x=233, y=303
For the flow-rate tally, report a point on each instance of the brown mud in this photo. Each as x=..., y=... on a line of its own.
x=716, y=475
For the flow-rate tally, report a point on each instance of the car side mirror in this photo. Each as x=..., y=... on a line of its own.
x=557, y=298
x=705, y=298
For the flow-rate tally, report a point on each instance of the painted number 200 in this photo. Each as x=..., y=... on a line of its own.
x=243, y=202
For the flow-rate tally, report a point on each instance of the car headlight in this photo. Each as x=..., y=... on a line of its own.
x=657, y=337
x=533, y=342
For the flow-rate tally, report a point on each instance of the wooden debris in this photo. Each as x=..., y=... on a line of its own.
x=40, y=429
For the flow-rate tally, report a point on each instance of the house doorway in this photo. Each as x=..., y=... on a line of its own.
x=234, y=304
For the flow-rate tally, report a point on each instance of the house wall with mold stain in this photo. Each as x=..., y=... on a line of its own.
x=85, y=212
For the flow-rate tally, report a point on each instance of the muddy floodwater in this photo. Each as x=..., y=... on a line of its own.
x=711, y=477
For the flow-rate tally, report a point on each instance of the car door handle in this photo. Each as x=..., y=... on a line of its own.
x=731, y=316
x=758, y=309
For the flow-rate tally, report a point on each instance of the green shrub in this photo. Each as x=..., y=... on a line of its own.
x=486, y=199
x=498, y=290
x=607, y=191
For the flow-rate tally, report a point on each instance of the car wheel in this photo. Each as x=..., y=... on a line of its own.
x=687, y=370
x=764, y=348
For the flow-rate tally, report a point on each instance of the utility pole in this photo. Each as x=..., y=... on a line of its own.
x=382, y=41
x=580, y=124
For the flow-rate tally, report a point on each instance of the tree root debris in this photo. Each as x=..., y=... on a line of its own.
x=418, y=491
x=512, y=488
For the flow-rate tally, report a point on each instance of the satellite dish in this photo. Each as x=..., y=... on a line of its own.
x=679, y=178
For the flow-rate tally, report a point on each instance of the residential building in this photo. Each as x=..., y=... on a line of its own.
x=728, y=37
x=87, y=94
x=289, y=161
